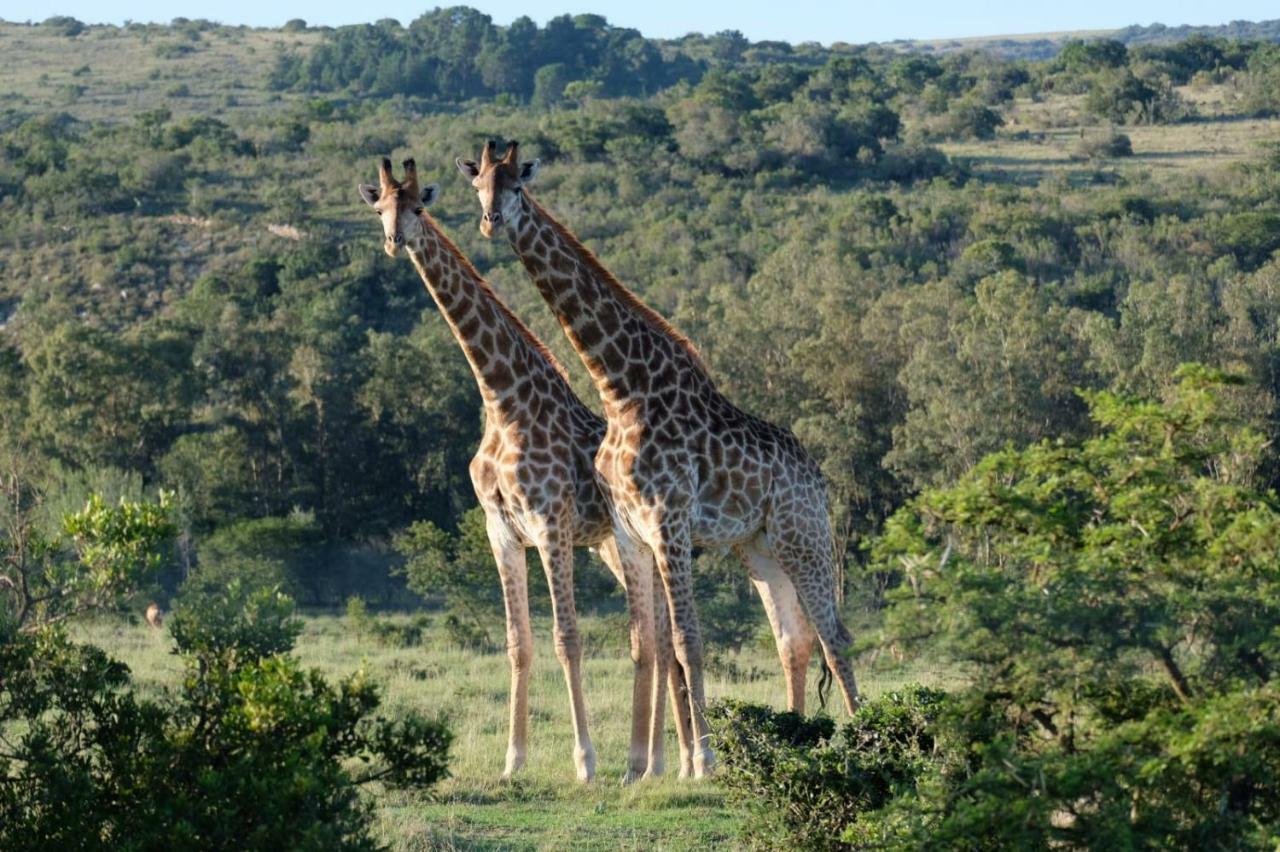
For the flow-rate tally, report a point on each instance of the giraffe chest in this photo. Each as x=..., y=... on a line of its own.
x=533, y=488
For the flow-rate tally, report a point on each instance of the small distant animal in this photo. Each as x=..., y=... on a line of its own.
x=155, y=615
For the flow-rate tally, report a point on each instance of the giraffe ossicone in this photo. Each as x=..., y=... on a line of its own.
x=533, y=477
x=683, y=465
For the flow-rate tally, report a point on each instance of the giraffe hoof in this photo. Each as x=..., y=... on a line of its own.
x=703, y=763
x=585, y=762
x=631, y=777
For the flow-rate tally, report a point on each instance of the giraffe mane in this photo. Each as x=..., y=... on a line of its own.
x=659, y=323
x=487, y=289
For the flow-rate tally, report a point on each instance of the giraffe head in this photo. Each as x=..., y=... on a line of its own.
x=499, y=184
x=398, y=204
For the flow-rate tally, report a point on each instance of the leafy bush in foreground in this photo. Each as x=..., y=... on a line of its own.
x=810, y=786
x=252, y=752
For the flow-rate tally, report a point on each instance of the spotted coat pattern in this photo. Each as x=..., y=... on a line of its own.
x=684, y=466
x=535, y=480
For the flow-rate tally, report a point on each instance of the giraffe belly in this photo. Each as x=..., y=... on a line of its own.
x=724, y=523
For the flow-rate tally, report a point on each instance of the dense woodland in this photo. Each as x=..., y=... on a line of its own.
x=196, y=316
x=199, y=303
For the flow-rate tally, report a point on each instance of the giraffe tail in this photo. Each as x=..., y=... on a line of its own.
x=824, y=683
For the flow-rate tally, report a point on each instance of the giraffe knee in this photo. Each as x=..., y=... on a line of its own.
x=795, y=651
x=688, y=651
x=643, y=647
x=521, y=655
x=568, y=646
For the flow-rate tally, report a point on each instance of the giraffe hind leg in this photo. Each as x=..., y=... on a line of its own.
x=809, y=565
x=791, y=629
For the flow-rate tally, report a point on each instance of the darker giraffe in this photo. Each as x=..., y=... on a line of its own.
x=534, y=478
x=683, y=465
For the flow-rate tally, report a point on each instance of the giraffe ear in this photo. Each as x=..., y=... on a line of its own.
x=369, y=193
x=528, y=170
x=468, y=167
x=430, y=193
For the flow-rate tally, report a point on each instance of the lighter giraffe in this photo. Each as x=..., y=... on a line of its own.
x=533, y=477
x=684, y=467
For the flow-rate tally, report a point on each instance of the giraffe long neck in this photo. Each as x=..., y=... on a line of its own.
x=500, y=349
x=630, y=351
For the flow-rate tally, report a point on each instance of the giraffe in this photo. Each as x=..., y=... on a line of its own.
x=534, y=478
x=684, y=466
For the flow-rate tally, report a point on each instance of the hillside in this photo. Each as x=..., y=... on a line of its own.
x=1042, y=46
x=181, y=233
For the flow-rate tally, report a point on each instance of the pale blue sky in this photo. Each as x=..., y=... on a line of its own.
x=789, y=20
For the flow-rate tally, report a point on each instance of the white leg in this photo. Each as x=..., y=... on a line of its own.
x=513, y=570
x=557, y=559
x=633, y=569
x=791, y=629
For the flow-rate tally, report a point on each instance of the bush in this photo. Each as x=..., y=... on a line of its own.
x=810, y=787
x=1102, y=146
x=64, y=25
x=394, y=634
x=969, y=119
x=253, y=751
x=1115, y=601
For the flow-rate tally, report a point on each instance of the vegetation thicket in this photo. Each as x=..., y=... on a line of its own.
x=966, y=280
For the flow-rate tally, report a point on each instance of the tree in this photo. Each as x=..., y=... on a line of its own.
x=458, y=568
x=996, y=369
x=103, y=554
x=1115, y=602
x=548, y=84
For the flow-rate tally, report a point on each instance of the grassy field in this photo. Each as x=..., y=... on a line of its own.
x=1040, y=141
x=111, y=73
x=545, y=808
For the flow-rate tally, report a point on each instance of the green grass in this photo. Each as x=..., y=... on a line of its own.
x=545, y=808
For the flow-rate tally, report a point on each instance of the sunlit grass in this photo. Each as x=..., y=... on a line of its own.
x=545, y=808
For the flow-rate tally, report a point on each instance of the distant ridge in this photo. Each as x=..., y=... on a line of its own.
x=1039, y=46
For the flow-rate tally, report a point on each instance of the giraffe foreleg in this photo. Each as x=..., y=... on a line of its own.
x=556, y=552
x=634, y=570
x=672, y=552
x=669, y=675
x=513, y=571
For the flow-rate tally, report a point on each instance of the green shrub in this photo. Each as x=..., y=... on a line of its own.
x=1102, y=146
x=253, y=752
x=811, y=787
x=1115, y=602
x=64, y=25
